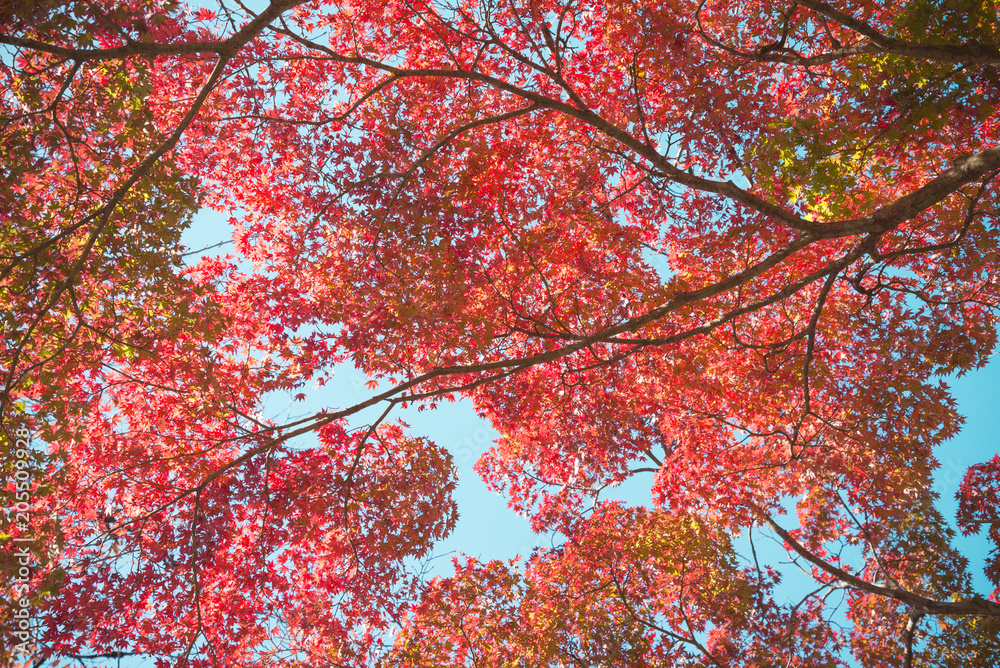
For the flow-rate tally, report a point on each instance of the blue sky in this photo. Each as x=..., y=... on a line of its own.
x=978, y=395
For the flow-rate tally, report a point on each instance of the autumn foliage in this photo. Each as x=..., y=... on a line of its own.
x=731, y=247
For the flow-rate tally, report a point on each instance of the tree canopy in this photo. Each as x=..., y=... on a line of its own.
x=731, y=246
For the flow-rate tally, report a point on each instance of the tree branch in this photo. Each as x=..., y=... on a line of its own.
x=920, y=604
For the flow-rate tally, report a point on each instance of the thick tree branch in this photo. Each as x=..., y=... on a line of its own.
x=920, y=604
x=970, y=52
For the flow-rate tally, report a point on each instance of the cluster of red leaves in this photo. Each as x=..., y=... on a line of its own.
x=979, y=501
x=731, y=245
